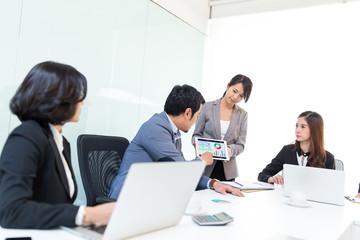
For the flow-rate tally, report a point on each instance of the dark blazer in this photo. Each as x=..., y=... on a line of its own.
x=287, y=156
x=208, y=126
x=34, y=190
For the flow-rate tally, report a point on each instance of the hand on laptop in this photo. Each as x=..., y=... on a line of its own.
x=223, y=189
x=100, y=214
x=278, y=179
x=208, y=158
x=358, y=195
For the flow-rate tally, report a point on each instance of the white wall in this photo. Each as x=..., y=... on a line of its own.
x=298, y=60
x=132, y=53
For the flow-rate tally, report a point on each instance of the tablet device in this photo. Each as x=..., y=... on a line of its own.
x=217, y=147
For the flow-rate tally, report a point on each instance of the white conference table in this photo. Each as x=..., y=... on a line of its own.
x=260, y=215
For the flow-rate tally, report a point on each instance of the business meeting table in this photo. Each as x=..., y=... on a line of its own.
x=259, y=215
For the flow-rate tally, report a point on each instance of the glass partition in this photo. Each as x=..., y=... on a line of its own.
x=131, y=52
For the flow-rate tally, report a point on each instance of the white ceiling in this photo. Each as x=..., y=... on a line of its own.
x=226, y=8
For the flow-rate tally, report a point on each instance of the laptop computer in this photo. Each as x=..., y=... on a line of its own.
x=319, y=184
x=154, y=196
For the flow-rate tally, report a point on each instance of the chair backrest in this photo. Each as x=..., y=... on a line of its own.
x=339, y=165
x=99, y=160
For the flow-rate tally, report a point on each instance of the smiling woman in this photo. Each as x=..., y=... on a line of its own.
x=224, y=119
x=308, y=149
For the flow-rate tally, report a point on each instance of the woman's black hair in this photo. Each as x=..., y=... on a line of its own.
x=245, y=81
x=49, y=93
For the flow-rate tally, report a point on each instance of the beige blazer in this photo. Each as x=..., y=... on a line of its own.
x=208, y=126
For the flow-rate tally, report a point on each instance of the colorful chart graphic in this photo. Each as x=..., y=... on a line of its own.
x=220, y=201
x=217, y=149
x=219, y=153
x=217, y=145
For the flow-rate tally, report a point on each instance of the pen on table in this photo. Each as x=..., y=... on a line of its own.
x=238, y=183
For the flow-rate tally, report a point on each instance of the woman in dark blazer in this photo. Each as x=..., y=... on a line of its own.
x=224, y=119
x=308, y=149
x=37, y=183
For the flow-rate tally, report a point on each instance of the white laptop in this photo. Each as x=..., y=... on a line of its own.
x=319, y=184
x=154, y=196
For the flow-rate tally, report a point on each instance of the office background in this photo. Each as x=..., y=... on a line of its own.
x=299, y=59
x=134, y=52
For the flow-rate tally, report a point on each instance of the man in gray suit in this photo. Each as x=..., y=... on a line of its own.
x=159, y=138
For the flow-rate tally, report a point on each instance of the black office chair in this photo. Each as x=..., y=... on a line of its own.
x=99, y=161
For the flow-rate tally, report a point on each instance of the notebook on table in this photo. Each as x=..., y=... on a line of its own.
x=154, y=196
x=319, y=184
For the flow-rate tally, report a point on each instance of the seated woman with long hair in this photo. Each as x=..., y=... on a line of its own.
x=308, y=149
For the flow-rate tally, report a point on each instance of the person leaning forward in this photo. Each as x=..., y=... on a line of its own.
x=160, y=138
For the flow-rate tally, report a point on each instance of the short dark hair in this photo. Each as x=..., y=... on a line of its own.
x=245, y=81
x=49, y=93
x=181, y=98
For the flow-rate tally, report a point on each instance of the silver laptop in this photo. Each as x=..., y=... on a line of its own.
x=319, y=184
x=154, y=196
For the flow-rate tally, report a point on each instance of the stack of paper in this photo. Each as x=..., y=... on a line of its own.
x=250, y=186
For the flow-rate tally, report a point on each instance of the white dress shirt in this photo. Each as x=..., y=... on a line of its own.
x=59, y=143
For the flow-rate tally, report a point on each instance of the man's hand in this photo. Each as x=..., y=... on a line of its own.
x=278, y=179
x=223, y=189
x=208, y=158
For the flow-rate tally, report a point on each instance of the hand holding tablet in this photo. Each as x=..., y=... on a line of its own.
x=217, y=147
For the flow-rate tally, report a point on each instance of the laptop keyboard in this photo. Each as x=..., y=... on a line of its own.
x=98, y=229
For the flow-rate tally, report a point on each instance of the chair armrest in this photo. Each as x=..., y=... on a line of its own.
x=105, y=200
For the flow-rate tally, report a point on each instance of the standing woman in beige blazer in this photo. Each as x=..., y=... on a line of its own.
x=224, y=119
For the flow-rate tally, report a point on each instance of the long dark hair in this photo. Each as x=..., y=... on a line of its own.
x=317, y=156
x=49, y=93
x=245, y=81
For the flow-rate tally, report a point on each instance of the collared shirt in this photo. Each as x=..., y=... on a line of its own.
x=177, y=134
x=302, y=159
x=59, y=143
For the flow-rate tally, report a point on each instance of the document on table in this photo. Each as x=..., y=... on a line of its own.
x=351, y=199
x=247, y=185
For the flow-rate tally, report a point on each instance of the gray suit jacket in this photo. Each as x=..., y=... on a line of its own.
x=154, y=141
x=208, y=126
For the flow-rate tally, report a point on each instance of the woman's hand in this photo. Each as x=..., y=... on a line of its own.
x=278, y=179
x=229, y=152
x=358, y=195
x=100, y=214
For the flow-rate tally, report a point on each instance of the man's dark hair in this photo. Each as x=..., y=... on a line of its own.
x=181, y=98
x=49, y=93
